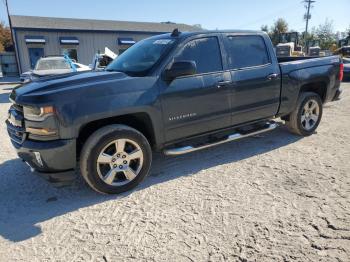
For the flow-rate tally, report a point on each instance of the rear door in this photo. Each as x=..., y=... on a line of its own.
x=255, y=78
x=197, y=103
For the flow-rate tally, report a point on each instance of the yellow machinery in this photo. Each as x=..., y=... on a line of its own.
x=289, y=45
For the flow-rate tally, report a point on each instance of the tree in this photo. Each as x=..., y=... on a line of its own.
x=310, y=38
x=265, y=28
x=5, y=38
x=325, y=34
x=280, y=26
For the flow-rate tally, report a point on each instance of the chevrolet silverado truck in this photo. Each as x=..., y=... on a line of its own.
x=176, y=93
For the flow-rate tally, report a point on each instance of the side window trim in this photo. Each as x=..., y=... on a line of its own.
x=249, y=67
x=220, y=51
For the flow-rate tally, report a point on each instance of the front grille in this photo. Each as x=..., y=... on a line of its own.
x=18, y=107
x=15, y=124
x=17, y=134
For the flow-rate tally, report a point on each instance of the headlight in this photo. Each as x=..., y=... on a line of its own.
x=37, y=113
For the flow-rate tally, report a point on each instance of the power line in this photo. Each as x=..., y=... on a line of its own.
x=307, y=17
x=278, y=12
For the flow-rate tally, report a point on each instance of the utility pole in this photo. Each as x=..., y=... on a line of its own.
x=307, y=16
x=8, y=17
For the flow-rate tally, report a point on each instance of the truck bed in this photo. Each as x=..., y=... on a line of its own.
x=289, y=64
x=297, y=72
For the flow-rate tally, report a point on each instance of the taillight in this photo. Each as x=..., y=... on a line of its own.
x=341, y=72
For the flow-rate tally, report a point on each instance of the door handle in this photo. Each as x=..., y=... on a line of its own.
x=272, y=76
x=221, y=84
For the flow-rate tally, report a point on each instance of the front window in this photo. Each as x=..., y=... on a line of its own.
x=51, y=64
x=139, y=59
x=205, y=52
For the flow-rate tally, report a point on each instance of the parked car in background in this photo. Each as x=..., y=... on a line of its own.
x=101, y=61
x=53, y=65
x=81, y=67
x=346, y=62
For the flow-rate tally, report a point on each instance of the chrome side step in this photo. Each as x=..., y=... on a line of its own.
x=232, y=137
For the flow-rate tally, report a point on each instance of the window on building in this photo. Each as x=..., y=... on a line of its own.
x=246, y=51
x=34, y=55
x=71, y=52
x=205, y=52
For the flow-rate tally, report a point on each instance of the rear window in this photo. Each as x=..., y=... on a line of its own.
x=246, y=51
x=52, y=64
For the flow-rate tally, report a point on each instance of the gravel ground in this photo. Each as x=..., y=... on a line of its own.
x=271, y=197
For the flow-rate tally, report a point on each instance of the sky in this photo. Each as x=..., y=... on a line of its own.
x=211, y=14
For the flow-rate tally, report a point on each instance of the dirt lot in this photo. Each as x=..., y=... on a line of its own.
x=272, y=197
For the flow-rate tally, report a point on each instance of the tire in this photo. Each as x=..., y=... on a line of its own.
x=108, y=167
x=302, y=121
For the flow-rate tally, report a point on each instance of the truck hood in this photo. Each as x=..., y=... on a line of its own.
x=43, y=89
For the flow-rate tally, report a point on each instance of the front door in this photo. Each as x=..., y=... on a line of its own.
x=198, y=103
x=255, y=78
x=34, y=55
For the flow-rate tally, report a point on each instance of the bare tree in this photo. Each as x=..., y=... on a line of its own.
x=325, y=34
x=280, y=26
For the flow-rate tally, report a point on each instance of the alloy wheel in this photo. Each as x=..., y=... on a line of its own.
x=119, y=162
x=310, y=115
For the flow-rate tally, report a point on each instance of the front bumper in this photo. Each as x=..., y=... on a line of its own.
x=54, y=159
x=49, y=156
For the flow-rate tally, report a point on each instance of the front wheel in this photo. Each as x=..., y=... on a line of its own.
x=307, y=115
x=115, y=159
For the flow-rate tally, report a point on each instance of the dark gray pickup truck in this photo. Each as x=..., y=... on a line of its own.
x=176, y=93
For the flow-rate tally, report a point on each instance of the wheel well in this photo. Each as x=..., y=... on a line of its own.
x=319, y=88
x=140, y=121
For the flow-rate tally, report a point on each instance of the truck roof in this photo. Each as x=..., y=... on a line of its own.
x=204, y=32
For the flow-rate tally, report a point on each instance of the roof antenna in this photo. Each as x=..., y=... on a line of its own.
x=175, y=32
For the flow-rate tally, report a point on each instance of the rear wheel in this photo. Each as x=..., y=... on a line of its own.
x=115, y=159
x=307, y=115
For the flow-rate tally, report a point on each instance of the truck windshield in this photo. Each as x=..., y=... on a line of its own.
x=139, y=59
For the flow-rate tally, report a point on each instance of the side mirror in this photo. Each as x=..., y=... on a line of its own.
x=180, y=68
